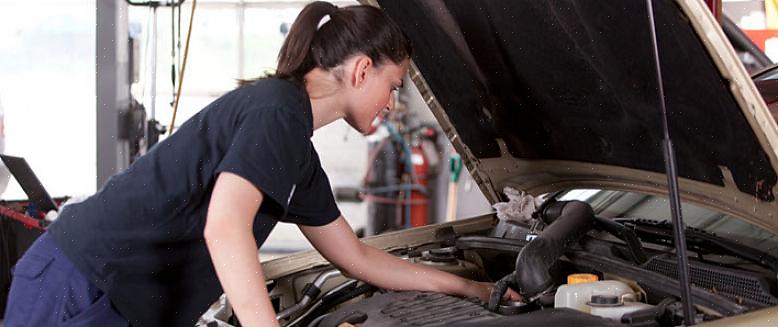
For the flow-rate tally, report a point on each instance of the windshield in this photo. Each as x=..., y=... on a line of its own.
x=766, y=74
x=619, y=204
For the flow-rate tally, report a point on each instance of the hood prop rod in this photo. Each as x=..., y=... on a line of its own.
x=679, y=236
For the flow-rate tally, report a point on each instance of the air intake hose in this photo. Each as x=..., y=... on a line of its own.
x=566, y=223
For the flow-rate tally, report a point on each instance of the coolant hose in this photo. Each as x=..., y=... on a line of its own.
x=567, y=223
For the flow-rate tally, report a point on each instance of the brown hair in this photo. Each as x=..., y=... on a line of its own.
x=350, y=31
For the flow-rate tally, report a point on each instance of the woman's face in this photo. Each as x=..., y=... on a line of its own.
x=374, y=93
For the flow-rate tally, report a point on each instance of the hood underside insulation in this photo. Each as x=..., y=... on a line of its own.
x=575, y=81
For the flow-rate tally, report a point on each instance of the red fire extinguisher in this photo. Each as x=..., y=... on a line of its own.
x=419, y=199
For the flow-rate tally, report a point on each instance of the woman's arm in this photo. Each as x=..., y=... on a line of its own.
x=337, y=242
x=228, y=235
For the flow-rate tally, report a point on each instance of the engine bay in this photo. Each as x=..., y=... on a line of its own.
x=569, y=265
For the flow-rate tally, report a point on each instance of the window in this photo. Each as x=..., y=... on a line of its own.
x=230, y=40
x=47, y=86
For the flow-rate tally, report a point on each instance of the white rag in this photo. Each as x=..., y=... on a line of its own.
x=519, y=207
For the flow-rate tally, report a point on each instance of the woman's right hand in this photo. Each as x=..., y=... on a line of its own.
x=483, y=291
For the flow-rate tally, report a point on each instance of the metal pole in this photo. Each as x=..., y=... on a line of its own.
x=679, y=234
x=111, y=87
x=154, y=38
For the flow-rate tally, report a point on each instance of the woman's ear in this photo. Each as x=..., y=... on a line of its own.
x=362, y=67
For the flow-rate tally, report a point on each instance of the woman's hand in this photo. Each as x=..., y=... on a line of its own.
x=483, y=290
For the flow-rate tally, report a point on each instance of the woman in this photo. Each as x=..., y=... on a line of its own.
x=163, y=239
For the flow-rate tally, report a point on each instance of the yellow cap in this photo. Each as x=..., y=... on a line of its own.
x=581, y=278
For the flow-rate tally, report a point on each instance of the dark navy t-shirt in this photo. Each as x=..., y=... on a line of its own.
x=140, y=238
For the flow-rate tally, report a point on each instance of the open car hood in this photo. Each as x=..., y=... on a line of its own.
x=548, y=95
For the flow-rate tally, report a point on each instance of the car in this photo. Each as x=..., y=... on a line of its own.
x=558, y=102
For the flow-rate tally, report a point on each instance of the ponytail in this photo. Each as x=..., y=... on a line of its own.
x=293, y=59
x=315, y=42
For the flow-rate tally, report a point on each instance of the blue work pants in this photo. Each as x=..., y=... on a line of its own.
x=47, y=290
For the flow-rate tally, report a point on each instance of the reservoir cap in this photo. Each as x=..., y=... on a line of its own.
x=604, y=301
x=581, y=278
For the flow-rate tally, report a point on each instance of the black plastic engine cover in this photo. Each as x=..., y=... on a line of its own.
x=433, y=309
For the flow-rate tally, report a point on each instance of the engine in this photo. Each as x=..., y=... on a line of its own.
x=565, y=269
x=566, y=223
x=426, y=309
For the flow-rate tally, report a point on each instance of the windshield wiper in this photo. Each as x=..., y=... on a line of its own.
x=700, y=240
